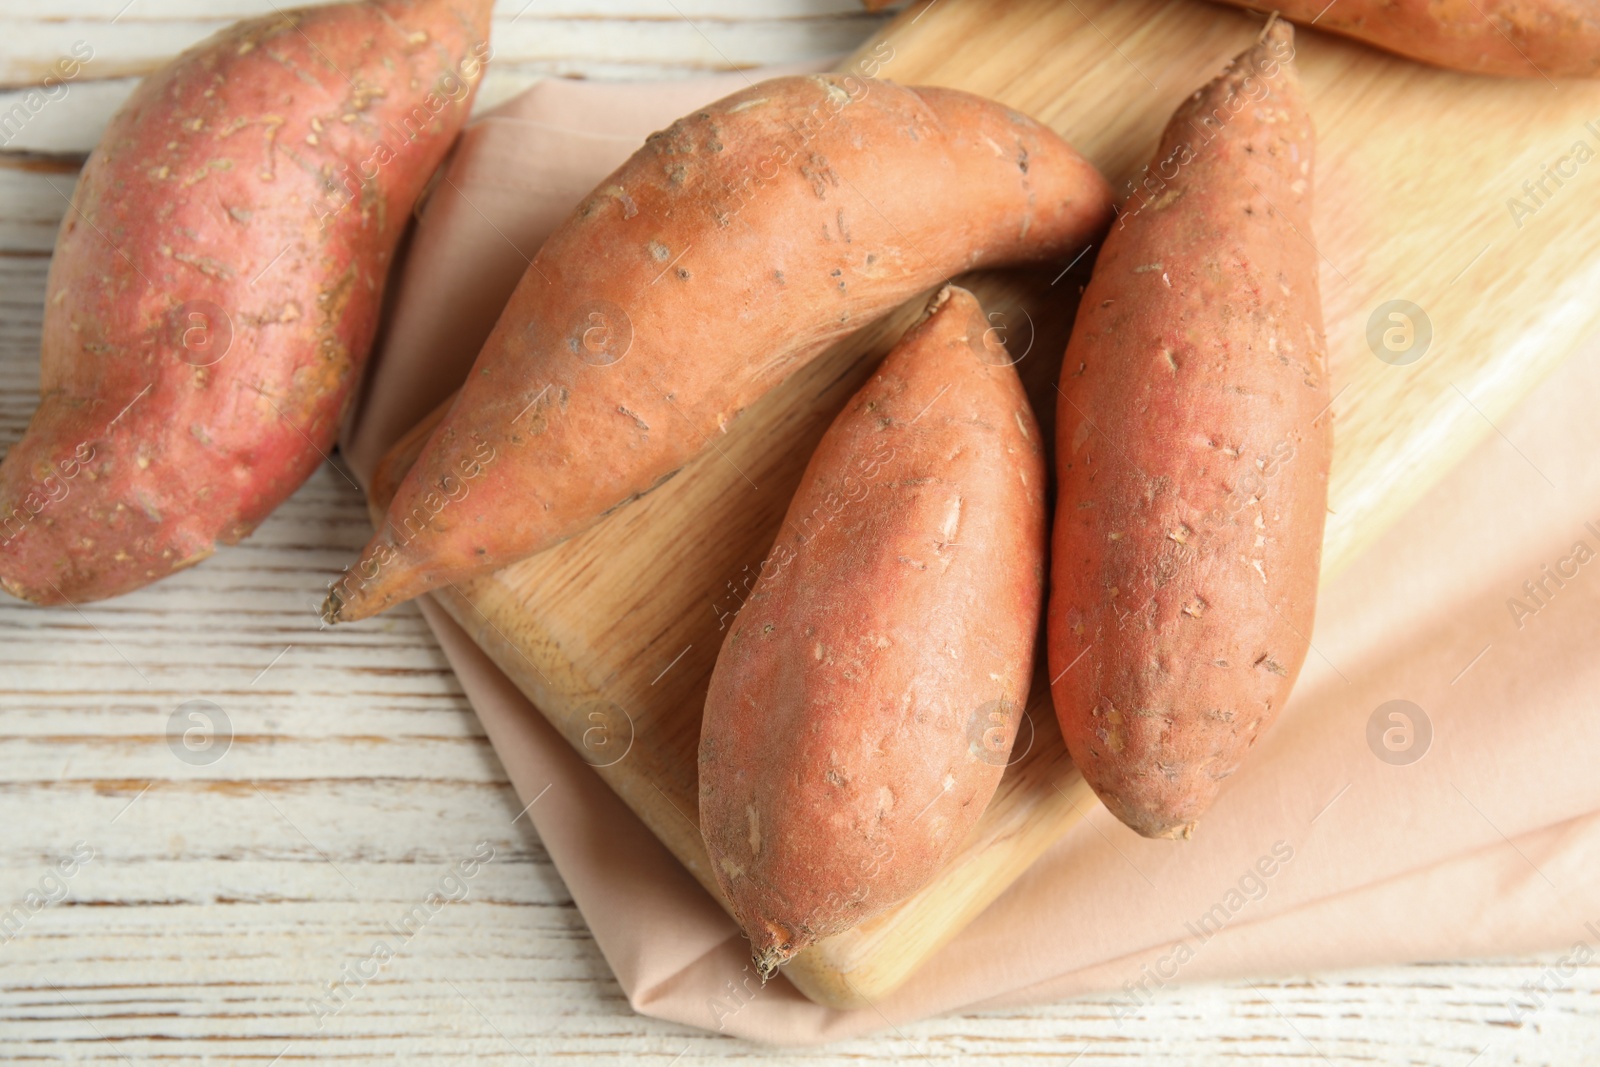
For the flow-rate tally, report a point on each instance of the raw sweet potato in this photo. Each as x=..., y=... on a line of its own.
x=216, y=284
x=729, y=250
x=1192, y=452
x=870, y=687
x=1515, y=38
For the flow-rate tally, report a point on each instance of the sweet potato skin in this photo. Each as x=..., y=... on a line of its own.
x=842, y=753
x=733, y=247
x=1192, y=450
x=1511, y=38
x=216, y=285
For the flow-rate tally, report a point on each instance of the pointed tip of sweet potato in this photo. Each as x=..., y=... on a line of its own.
x=1155, y=820
x=352, y=598
x=1270, y=57
x=346, y=603
x=772, y=946
x=1163, y=830
x=330, y=608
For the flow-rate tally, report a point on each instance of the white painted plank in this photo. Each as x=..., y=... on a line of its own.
x=34, y=194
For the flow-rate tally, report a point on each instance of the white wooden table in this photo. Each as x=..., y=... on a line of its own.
x=214, y=896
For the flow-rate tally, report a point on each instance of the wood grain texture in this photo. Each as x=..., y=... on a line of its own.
x=207, y=919
x=613, y=634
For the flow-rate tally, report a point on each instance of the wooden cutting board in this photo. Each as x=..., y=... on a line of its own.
x=614, y=633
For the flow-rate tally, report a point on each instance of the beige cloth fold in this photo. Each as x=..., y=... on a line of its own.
x=1319, y=854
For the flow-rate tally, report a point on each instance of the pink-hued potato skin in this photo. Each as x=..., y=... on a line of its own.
x=1192, y=455
x=1511, y=38
x=216, y=285
x=844, y=751
x=733, y=247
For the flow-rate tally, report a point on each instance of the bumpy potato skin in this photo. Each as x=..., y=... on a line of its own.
x=216, y=285
x=1192, y=451
x=732, y=248
x=1511, y=38
x=843, y=754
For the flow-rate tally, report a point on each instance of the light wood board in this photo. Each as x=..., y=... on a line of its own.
x=613, y=634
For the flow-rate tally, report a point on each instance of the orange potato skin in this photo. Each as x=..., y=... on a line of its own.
x=843, y=754
x=1192, y=454
x=1511, y=38
x=732, y=248
x=216, y=285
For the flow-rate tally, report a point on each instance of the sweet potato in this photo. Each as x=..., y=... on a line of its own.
x=216, y=284
x=732, y=248
x=852, y=730
x=1192, y=453
x=1514, y=38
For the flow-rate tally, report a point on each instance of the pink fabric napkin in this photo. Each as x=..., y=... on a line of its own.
x=1464, y=821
